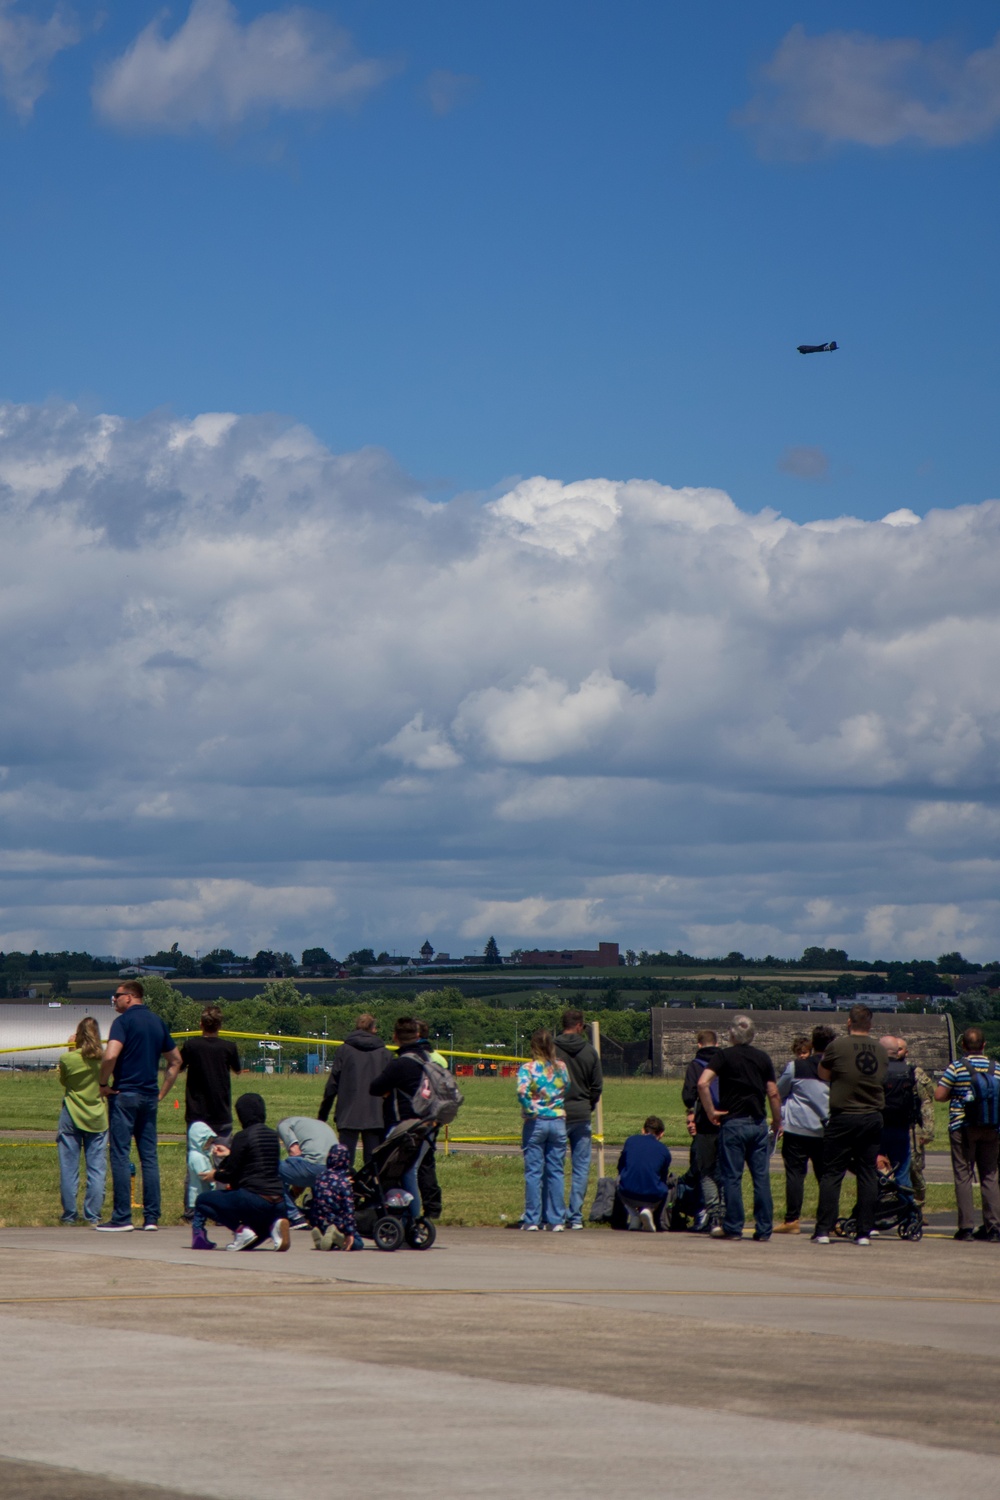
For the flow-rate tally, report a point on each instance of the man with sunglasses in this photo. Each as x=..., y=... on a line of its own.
x=137, y=1040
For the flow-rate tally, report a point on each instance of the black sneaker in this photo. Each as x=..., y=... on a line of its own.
x=982, y=1233
x=112, y=1228
x=761, y=1239
x=963, y=1234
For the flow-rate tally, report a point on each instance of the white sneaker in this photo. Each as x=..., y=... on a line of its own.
x=862, y=1239
x=821, y=1239
x=646, y=1215
x=530, y=1228
x=280, y=1235
x=575, y=1225
x=244, y=1239
x=557, y=1228
x=633, y=1220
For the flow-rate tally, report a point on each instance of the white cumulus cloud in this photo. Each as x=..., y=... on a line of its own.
x=215, y=71
x=853, y=87
x=28, y=44
x=616, y=709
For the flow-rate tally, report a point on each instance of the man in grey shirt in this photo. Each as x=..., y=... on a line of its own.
x=308, y=1143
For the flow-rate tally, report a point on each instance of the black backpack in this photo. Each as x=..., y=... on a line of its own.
x=902, y=1102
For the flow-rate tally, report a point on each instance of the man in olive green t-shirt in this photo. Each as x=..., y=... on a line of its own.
x=855, y=1067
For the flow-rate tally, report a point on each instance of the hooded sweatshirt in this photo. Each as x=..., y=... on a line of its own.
x=198, y=1159
x=586, y=1080
x=254, y=1153
x=397, y=1083
x=355, y=1067
x=805, y=1098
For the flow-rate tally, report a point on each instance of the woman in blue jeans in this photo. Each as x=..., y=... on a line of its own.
x=83, y=1124
x=541, y=1088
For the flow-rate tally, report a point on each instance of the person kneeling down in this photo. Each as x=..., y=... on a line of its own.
x=331, y=1209
x=643, y=1167
x=252, y=1208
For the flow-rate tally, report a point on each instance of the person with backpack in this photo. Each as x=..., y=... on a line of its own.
x=703, y=1169
x=413, y=1087
x=586, y=1083
x=900, y=1112
x=971, y=1085
x=805, y=1101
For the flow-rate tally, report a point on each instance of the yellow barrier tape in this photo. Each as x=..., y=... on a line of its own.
x=272, y=1036
x=51, y=1145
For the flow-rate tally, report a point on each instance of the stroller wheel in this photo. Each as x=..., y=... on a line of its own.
x=846, y=1229
x=388, y=1234
x=911, y=1229
x=421, y=1234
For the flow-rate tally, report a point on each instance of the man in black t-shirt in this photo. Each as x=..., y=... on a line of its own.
x=210, y=1061
x=746, y=1086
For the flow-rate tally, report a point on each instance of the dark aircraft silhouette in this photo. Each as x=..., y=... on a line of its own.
x=818, y=348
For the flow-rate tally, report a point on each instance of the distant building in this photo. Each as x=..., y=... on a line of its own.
x=815, y=1000
x=604, y=956
x=873, y=1001
x=135, y=971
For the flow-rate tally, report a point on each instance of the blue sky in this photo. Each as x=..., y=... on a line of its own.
x=585, y=267
x=380, y=655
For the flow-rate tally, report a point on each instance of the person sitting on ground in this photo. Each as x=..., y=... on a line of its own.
x=805, y=1102
x=308, y=1143
x=358, y=1115
x=643, y=1168
x=331, y=1207
x=83, y=1124
x=975, y=1144
x=746, y=1086
x=248, y=1167
x=704, y=1135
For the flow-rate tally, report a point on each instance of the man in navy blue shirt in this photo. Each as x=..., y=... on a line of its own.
x=136, y=1042
x=642, y=1175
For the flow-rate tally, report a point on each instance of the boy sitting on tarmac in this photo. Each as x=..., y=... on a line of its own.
x=643, y=1167
x=331, y=1208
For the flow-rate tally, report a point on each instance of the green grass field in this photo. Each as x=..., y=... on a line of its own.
x=478, y=1188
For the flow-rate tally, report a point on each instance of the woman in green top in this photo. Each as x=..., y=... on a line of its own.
x=83, y=1124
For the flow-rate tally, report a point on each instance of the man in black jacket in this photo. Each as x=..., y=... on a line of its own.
x=396, y=1086
x=356, y=1065
x=248, y=1167
x=704, y=1135
x=586, y=1082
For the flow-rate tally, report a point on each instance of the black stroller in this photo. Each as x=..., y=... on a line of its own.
x=381, y=1206
x=896, y=1209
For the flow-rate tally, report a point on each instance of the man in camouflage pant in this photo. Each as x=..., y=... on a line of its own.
x=923, y=1133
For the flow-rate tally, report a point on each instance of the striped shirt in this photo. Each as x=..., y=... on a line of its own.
x=956, y=1079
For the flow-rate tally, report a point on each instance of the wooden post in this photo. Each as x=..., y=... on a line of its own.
x=595, y=1036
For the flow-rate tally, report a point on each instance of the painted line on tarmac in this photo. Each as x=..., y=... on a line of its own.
x=368, y=1290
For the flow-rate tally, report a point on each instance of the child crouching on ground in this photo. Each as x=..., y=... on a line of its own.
x=331, y=1209
x=200, y=1162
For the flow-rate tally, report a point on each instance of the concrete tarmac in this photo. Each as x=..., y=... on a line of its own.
x=579, y=1365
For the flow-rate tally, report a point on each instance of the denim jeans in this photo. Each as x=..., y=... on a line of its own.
x=895, y=1144
x=744, y=1142
x=410, y=1180
x=133, y=1117
x=70, y=1141
x=238, y=1206
x=543, y=1144
x=578, y=1136
x=296, y=1171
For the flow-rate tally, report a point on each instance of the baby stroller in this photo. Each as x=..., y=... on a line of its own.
x=896, y=1209
x=381, y=1205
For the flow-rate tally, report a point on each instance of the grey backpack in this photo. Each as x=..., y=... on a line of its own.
x=437, y=1095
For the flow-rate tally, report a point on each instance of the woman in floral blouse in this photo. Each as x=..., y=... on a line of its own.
x=541, y=1087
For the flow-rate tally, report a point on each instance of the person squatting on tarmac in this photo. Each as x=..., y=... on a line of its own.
x=643, y=1169
x=331, y=1207
x=746, y=1083
x=248, y=1168
x=308, y=1143
x=805, y=1109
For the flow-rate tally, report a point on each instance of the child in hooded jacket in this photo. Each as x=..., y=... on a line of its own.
x=200, y=1162
x=331, y=1209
